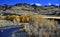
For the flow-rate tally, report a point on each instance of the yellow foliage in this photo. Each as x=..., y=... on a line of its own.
x=54, y=23
x=10, y=17
x=28, y=17
x=46, y=34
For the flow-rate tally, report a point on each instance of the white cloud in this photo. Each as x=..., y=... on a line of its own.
x=38, y=4
x=57, y=4
x=49, y=3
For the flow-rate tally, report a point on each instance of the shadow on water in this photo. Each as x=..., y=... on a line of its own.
x=12, y=32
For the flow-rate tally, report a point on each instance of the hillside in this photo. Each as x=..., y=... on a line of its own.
x=27, y=8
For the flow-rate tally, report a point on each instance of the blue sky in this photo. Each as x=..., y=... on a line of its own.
x=43, y=2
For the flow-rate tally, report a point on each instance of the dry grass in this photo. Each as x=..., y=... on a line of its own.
x=37, y=24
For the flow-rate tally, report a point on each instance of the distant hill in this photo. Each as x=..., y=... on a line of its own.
x=23, y=7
